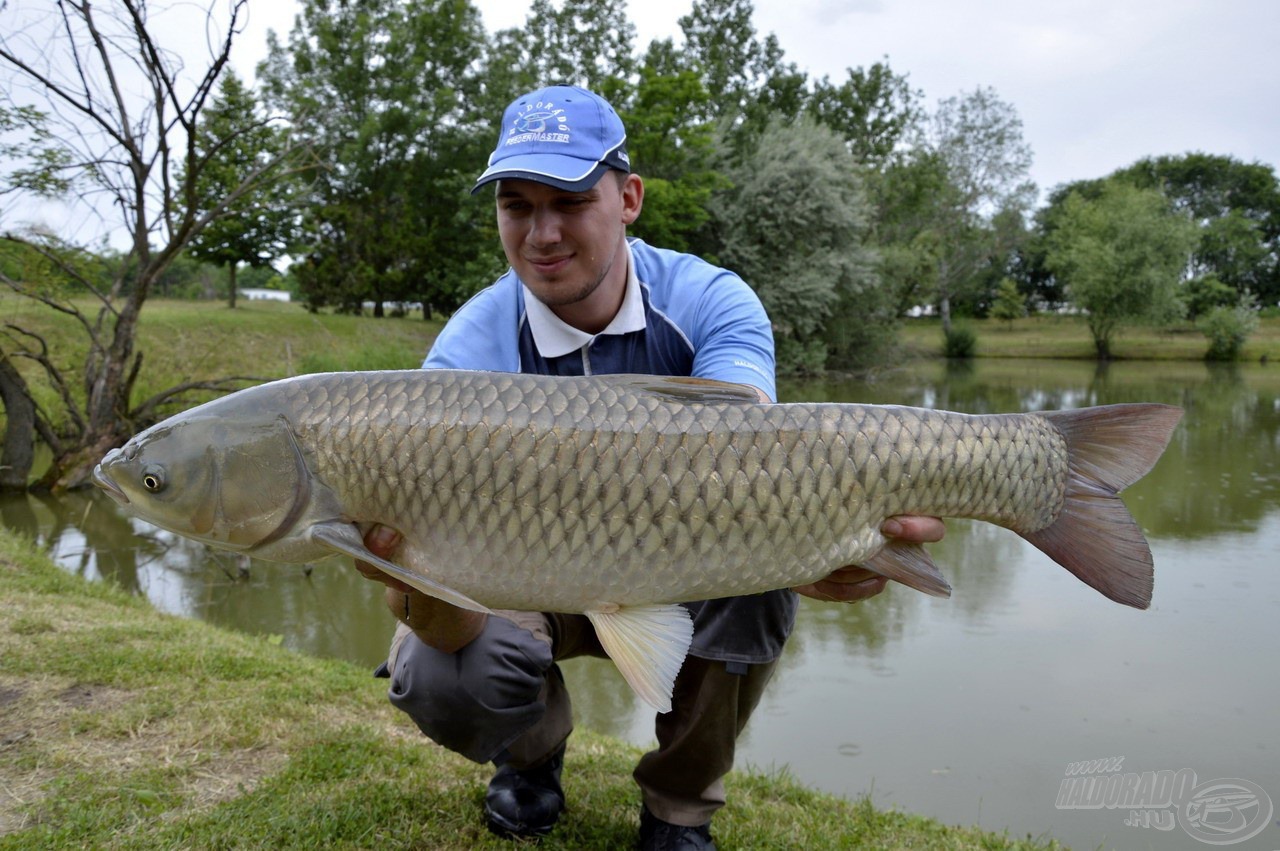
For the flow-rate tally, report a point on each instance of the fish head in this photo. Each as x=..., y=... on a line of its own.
x=233, y=483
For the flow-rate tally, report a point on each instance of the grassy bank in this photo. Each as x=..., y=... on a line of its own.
x=1068, y=337
x=121, y=727
x=201, y=341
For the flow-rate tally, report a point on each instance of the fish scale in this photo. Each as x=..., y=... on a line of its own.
x=620, y=496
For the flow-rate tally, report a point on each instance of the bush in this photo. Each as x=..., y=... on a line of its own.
x=1228, y=328
x=959, y=342
x=1009, y=304
x=1202, y=295
x=794, y=357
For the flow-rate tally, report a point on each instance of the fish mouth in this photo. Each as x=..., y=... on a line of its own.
x=103, y=481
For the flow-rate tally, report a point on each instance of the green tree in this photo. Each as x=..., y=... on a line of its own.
x=390, y=92
x=873, y=109
x=749, y=82
x=795, y=226
x=1236, y=206
x=1033, y=272
x=234, y=141
x=588, y=43
x=720, y=42
x=1009, y=303
x=672, y=148
x=906, y=196
x=117, y=144
x=1121, y=257
x=976, y=139
x=1203, y=294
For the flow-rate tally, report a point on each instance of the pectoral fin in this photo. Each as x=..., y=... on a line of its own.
x=648, y=644
x=909, y=564
x=345, y=538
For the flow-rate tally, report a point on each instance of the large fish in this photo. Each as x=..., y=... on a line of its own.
x=622, y=496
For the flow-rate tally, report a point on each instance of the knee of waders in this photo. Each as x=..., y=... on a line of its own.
x=479, y=700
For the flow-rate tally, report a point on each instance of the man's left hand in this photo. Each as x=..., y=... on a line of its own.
x=852, y=583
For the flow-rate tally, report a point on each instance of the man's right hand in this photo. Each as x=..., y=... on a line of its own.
x=438, y=624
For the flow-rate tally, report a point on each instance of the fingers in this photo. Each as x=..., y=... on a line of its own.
x=382, y=542
x=914, y=529
x=848, y=584
x=851, y=574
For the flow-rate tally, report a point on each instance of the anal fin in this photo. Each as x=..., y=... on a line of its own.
x=648, y=644
x=911, y=565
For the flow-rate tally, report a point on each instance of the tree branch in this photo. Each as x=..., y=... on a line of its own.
x=55, y=375
x=146, y=412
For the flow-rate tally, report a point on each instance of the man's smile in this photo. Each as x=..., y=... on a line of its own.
x=550, y=265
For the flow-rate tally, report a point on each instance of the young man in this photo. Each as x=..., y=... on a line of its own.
x=581, y=299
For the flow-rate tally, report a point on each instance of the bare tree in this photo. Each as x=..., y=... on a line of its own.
x=108, y=117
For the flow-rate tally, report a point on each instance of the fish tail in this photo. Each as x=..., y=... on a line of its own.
x=1095, y=537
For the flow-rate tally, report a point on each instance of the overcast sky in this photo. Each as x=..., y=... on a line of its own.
x=1098, y=83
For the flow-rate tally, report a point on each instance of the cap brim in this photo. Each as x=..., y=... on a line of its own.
x=568, y=173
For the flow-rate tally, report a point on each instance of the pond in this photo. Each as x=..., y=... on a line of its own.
x=981, y=709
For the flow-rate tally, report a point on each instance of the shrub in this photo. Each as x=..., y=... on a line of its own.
x=1228, y=328
x=1202, y=295
x=1009, y=304
x=959, y=341
x=800, y=358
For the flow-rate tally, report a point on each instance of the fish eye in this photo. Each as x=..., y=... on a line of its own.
x=153, y=480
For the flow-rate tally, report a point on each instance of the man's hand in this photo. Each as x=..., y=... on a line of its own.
x=382, y=542
x=852, y=583
x=441, y=625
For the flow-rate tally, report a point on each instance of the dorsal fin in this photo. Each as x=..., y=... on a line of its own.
x=684, y=389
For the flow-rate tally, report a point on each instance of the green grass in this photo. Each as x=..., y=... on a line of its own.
x=124, y=728
x=1068, y=337
x=202, y=341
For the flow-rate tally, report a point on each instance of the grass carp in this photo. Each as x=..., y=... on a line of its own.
x=621, y=496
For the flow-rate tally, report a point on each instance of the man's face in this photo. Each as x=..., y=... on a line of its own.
x=564, y=245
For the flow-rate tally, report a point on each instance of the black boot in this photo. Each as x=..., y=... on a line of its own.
x=525, y=802
x=658, y=835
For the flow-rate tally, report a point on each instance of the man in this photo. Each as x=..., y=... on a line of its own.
x=580, y=299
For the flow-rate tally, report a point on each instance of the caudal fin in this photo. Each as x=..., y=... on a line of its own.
x=1095, y=537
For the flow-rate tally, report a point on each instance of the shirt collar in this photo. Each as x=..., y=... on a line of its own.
x=555, y=338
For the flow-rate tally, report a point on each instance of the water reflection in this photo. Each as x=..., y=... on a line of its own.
x=324, y=609
x=967, y=709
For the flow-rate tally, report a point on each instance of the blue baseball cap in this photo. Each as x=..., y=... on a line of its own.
x=563, y=136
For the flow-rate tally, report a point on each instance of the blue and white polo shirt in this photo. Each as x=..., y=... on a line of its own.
x=680, y=316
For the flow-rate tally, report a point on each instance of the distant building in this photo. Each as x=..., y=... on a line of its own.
x=393, y=306
x=259, y=294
